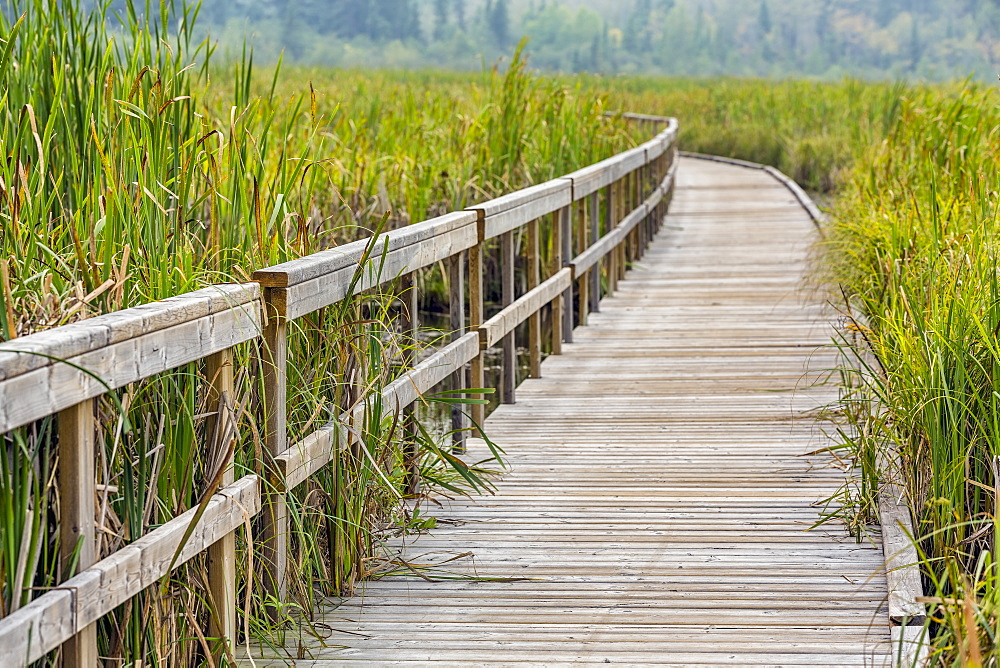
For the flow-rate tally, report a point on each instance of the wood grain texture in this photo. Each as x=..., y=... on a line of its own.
x=350, y=255
x=50, y=371
x=658, y=507
x=77, y=494
x=55, y=616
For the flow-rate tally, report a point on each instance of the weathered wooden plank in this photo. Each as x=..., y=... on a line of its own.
x=350, y=255
x=77, y=496
x=549, y=197
x=59, y=384
x=506, y=320
x=901, y=561
x=595, y=177
x=597, y=251
x=304, y=458
x=53, y=618
x=477, y=374
x=521, y=198
x=68, y=342
x=414, y=383
x=508, y=348
x=325, y=289
x=220, y=433
x=456, y=316
x=535, y=318
x=274, y=524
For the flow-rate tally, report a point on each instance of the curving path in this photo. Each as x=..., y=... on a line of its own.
x=660, y=495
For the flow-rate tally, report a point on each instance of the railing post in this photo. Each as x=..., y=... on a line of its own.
x=219, y=431
x=595, y=234
x=566, y=222
x=582, y=241
x=558, y=304
x=509, y=364
x=477, y=374
x=409, y=322
x=456, y=312
x=609, y=225
x=620, y=261
x=274, y=539
x=77, y=494
x=535, y=319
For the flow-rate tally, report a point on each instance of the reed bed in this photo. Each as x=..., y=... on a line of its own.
x=914, y=247
x=136, y=169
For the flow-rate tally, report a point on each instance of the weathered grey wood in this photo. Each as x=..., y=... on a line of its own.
x=456, y=313
x=508, y=370
x=69, y=342
x=660, y=492
x=583, y=282
x=595, y=272
x=557, y=194
x=504, y=322
x=410, y=386
x=220, y=432
x=301, y=460
x=901, y=560
x=558, y=259
x=566, y=238
x=523, y=197
x=535, y=319
x=349, y=255
x=308, y=296
x=274, y=534
x=477, y=376
x=610, y=221
x=599, y=250
x=410, y=326
x=54, y=617
x=77, y=496
x=595, y=177
x=42, y=390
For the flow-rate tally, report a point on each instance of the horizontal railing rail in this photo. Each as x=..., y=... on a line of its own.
x=598, y=220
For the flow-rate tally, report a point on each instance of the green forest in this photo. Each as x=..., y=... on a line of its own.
x=911, y=39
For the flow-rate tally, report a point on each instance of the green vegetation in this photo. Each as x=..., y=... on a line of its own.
x=136, y=169
x=131, y=175
x=914, y=246
x=916, y=39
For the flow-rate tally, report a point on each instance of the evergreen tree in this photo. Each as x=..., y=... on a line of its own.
x=498, y=18
x=764, y=18
x=440, y=18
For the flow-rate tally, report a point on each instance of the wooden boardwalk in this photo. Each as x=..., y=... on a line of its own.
x=657, y=508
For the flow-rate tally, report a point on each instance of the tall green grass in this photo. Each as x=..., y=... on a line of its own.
x=136, y=168
x=915, y=245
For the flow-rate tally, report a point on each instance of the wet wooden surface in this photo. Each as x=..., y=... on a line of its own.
x=660, y=497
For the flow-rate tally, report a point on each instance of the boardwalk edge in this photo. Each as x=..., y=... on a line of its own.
x=907, y=617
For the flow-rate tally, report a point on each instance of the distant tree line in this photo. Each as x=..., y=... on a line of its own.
x=932, y=39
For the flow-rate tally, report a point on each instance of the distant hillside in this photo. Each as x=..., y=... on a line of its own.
x=931, y=39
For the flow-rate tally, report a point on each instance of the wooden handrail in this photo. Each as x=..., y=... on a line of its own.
x=59, y=371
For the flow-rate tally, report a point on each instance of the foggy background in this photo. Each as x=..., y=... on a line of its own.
x=912, y=39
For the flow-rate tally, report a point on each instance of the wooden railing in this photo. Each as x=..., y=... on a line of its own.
x=602, y=218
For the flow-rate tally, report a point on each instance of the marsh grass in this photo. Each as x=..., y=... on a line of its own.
x=914, y=245
x=136, y=168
